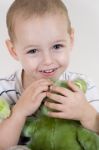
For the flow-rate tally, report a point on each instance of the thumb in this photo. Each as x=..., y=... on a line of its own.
x=73, y=87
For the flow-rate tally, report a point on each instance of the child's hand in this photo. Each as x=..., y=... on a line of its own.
x=72, y=103
x=31, y=98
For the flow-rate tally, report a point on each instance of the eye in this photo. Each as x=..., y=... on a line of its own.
x=32, y=51
x=57, y=46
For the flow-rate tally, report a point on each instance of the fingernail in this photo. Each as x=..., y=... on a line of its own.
x=51, y=87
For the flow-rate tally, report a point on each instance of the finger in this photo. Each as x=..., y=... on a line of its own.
x=38, y=85
x=38, y=91
x=73, y=87
x=45, y=81
x=56, y=97
x=55, y=114
x=60, y=90
x=40, y=98
x=54, y=106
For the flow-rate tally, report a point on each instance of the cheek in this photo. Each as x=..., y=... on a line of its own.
x=29, y=64
x=64, y=59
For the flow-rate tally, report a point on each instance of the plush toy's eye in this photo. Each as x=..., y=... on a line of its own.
x=81, y=84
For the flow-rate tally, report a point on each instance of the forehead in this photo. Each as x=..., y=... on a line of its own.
x=41, y=27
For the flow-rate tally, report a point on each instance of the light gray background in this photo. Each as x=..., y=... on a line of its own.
x=84, y=16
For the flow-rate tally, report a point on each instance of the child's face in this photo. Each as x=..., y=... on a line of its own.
x=43, y=46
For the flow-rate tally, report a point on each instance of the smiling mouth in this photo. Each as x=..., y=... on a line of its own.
x=48, y=71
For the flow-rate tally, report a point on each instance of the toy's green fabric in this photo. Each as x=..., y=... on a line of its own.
x=59, y=134
x=55, y=134
x=4, y=109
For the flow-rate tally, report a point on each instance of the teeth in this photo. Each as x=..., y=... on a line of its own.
x=48, y=71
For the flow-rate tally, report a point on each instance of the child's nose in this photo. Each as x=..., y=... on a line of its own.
x=47, y=59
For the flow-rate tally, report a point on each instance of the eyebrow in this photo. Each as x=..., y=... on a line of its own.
x=59, y=41
x=30, y=46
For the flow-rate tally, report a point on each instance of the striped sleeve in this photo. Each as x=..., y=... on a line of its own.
x=92, y=95
x=8, y=90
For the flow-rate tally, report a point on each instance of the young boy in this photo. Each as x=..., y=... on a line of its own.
x=41, y=38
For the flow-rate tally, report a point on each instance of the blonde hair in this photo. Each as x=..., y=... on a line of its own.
x=29, y=8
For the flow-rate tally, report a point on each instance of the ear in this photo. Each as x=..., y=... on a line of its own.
x=72, y=38
x=11, y=49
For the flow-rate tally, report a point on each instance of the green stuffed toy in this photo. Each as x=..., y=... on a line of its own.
x=4, y=109
x=48, y=133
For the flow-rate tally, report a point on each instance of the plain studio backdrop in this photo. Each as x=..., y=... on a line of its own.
x=84, y=15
